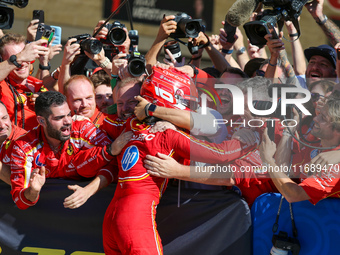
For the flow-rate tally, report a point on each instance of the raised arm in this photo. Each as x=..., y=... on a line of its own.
x=168, y=26
x=331, y=30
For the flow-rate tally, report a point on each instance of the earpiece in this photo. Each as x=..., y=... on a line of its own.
x=41, y=121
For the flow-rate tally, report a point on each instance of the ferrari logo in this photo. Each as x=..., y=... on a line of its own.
x=69, y=150
x=7, y=144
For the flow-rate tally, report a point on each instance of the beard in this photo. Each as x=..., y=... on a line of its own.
x=57, y=134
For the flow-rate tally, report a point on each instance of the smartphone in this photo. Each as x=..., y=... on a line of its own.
x=57, y=35
x=39, y=14
x=230, y=31
x=45, y=32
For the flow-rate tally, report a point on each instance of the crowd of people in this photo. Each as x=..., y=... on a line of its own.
x=108, y=124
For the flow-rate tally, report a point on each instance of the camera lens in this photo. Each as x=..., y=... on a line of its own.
x=136, y=67
x=175, y=49
x=91, y=45
x=117, y=36
x=260, y=30
x=3, y=16
x=192, y=29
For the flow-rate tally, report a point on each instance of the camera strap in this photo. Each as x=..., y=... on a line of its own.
x=276, y=224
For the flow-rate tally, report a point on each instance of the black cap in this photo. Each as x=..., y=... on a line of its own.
x=323, y=50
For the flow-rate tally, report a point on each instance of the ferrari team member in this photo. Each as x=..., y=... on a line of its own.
x=60, y=148
x=8, y=133
x=17, y=87
x=316, y=182
x=129, y=224
x=80, y=94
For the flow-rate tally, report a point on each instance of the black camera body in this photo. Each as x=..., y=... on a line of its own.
x=186, y=26
x=266, y=105
x=7, y=17
x=136, y=63
x=7, y=13
x=116, y=34
x=17, y=3
x=88, y=44
x=282, y=10
x=283, y=242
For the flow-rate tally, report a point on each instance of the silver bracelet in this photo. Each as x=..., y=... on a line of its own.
x=105, y=63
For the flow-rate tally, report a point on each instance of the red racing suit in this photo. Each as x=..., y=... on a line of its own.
x=317, y=186
x=129, y=225
x=82, y=156
x=17, y=96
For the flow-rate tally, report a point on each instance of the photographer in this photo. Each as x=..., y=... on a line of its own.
x=17, y=86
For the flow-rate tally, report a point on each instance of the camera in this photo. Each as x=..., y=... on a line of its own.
x=17, y=3
x=175, y=49
x=281, y=10
x=7, y=13
x=136, y=63
x=88, y=44
x=266, y=105
x=282, y=242
x=186, y=26
x=6, y=17
x=116, y=34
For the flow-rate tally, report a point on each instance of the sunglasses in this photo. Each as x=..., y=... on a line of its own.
x=316, y=96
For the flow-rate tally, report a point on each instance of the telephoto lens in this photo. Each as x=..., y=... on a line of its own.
x=175, y=49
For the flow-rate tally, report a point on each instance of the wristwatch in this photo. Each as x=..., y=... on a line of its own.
x=151, y=109
x=13, y=60
x=241, y=51
x=48, y=67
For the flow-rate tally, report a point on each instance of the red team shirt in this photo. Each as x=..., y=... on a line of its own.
x=80, y=156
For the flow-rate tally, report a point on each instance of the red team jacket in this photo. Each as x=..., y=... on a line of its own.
x=81, y=156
